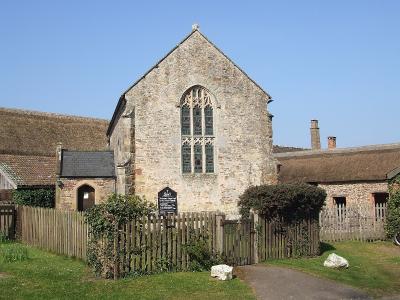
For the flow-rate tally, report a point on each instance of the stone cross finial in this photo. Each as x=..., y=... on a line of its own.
x=195, y=27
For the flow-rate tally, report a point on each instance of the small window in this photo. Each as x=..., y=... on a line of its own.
x=380, y=200
x=340, y=203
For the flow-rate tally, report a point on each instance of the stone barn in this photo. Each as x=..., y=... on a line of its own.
x=196, y=123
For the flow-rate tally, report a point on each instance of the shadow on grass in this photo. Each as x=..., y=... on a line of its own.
x=325, y=247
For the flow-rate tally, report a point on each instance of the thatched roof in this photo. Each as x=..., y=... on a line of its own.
x=29, y=170
x=371, y=163
x=37, y=133
x=284, y=149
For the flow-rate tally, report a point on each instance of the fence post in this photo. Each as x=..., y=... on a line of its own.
x=254, y=229
x=219, y=232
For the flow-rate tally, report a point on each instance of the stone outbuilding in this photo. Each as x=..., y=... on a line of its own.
x=84, y=178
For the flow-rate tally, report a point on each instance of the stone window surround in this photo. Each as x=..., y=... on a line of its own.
x=197, y=139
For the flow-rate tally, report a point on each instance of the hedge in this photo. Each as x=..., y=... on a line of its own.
x=287, y=202
x=34, y=197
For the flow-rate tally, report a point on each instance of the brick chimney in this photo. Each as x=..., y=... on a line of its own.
x=315, y=139
x=331, y=142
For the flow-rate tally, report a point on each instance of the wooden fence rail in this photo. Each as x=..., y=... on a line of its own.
x=61, y=232
x=352, y=223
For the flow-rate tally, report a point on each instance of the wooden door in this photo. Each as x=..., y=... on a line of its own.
x=86, y=197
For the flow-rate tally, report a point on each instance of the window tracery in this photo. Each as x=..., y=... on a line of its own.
x=197, y=131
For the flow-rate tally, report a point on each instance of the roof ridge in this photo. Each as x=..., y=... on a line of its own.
x=367, y=148
x=49, y=114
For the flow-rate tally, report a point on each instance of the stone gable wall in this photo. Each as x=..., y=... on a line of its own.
x=243, y=131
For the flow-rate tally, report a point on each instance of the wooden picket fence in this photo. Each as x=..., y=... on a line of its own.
x=7, y=221
x=151, y=242
x=343, y=223
x=278, y=240
x=61, y=232
x=162, y=241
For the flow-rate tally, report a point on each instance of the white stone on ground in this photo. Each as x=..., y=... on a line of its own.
x=222, y=272
x=336, y=261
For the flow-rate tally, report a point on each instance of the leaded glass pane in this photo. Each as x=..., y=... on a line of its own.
x=208, y=115
x=209, y=158
x=198, y=163
x=197, y=120
x=186, y=158
x=185, y=120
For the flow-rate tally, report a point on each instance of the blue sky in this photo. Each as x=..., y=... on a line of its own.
x=336, y=61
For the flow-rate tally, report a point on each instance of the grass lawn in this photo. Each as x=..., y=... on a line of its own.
x=48, y=276
x=374, y=267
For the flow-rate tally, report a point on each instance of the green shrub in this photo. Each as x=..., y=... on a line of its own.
x=34, y=197
x=201, y=258
x=393, y=208
x=105, y=221
x=288, y=202
x=13, y=253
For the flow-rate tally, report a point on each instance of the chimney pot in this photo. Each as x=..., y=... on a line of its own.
x=331, y=142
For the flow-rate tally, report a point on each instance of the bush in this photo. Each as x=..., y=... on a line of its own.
x=201, y=258
x=13, y=253
x=105, y=220
x=286, y=202
x=393, y=209
x=34, y=197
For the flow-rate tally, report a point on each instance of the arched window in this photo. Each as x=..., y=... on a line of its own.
x=197, y=130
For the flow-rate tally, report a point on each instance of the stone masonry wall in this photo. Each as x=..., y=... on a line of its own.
x=243, y=131
x=67, y=196
x=357, y=194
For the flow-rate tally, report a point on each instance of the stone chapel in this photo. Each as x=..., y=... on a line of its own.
x=196, y=123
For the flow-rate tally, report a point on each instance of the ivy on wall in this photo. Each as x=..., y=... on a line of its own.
x=393, y=208
x=43, y=197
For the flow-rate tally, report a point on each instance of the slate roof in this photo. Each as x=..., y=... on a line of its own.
x=369, y=163
x=98, y=164
x=122, y=101
x=36, y=133
x=29, y=170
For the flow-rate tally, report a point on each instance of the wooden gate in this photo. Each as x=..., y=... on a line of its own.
x=278, y=240
x=238, y=242
x=7, y=220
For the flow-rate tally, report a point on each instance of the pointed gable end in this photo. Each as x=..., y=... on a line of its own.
x=194, y=34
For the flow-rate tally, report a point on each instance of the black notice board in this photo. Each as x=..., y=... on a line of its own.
x=167, y=201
